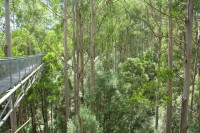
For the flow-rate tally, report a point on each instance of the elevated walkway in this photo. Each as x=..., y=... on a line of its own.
x=13, y=70
x=17, y=75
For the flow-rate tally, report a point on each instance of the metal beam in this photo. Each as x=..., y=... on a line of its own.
x=23, y=86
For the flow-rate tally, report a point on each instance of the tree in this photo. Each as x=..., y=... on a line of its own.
x=170, y=67
x=8, y=53
x=92, y=50
x=67, y=96
x=187, y=64
x=159, y=63
x=7, y=23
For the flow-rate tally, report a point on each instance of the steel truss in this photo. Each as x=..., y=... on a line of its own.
x=12, y=98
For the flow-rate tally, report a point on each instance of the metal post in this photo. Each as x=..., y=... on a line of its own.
x=10, y=71
x=19, y=68
x=13, y=115
x=24, y=63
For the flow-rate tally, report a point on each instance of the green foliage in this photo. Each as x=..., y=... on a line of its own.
x=138, y=77
x=165, y=74
x=133, y=73
x=21, y=43
x=90, y=124
x=112, y=106
x=51, y=62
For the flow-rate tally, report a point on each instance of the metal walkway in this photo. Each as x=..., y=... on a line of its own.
x=16, y=77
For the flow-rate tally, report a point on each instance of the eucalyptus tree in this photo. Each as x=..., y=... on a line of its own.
x=7, y=24
x=195, y=62
x=67, y=96
x=8, y=53
x=75, y=41
x=187, y=64
x=92, y=50
x=170, y=82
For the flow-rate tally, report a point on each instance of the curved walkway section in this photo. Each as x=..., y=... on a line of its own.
x=13, y=70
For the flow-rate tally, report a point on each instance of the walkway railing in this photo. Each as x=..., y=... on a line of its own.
x=12, y=70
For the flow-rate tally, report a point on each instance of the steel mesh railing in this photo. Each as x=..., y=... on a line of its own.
x=12, y=70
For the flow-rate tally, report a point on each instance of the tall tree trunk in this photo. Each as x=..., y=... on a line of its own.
x=198, y=41
x=193, y=83
x=159, y=58
x=127, y=45
x=34, y=125
x=75, y=36
x=199, y=96
x=51, y=128
x=7, y=23
x=187, y=64
x=67, y=96
x=170, y=82
x=76, y=60
x=195, y=69
x=92, y=49
x=82, y=57
x=44, y=109
x=80, y=62
x=149, y=31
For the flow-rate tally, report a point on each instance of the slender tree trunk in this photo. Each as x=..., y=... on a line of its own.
x=67, y=96
x=81, y=72
x=32, y=20
x=187, y=64
x=159, y=58
x=76, y=61
x=115, y=57
x=92, y=49
x=8, y=53
x=170, y=82
x=7, y=23
x=127, y=43
x=195, y=70
x=198, y=41
x=75, y=41
x=51, y=128
x=199, y=96
x=44, y=109
x=82, y=57
x=34, y=125
x=149, y=31
x=193, y=83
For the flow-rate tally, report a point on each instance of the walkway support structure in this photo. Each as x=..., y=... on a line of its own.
x=17, y=75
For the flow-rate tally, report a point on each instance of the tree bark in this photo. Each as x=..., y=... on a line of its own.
x=199, y=98
x=170, y=67
x=67, y=96
x=187, y=64
x=75, y=41
x=159, y=58
x=92, y=49
x=7, y=23
x=34, y=125
x=195, y=69
x=44, y=109
x=82, y=57
x=76, y=60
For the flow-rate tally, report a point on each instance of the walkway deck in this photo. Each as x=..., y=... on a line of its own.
x=13, y=70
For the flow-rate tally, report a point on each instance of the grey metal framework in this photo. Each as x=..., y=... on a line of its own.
x=16, y=77
x=12, y=70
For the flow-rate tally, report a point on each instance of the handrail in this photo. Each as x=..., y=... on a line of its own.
x=18, y=85
x=14, y=69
